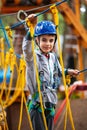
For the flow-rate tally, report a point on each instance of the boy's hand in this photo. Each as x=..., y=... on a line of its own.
x=73, y=72
x=32, y=18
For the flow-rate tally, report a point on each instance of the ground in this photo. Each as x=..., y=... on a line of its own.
x=79, y=114
x=78, y=108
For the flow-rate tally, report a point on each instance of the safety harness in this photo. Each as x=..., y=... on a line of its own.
x=49, y=107
x=32, y=104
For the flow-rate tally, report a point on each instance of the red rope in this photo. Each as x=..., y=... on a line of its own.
x=79, y=87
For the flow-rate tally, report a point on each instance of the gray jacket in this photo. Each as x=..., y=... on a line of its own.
x=49, y=71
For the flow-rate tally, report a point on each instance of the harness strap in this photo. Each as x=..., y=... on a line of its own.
x=36, y=105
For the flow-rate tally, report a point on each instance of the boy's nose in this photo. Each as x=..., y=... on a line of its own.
x=48, y=43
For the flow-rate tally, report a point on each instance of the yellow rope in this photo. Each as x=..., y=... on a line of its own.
x=29, y=118
x=22, y=87
x=4, y=115
x=2, y=59
x=18, y=90
x=56, y=21
x=65, y=119
x=9, y=32
x=11, y=60
x=3, y=84
x=36, y=70
x=5, y=72
x=19, y=83
x=21, y=109
x=23, y=97
x=12, y=63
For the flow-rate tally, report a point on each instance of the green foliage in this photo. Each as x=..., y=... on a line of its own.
x=48, y=16
x=7, y=21
x=61, y=24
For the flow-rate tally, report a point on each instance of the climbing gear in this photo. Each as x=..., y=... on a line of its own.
x=68, y=79
x=44, y=27
x=36, y=105
x=81, y=71
x=56, y=21
x=30, y=25
x=19, y=15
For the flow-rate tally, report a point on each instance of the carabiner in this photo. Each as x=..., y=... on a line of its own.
x=19, y=15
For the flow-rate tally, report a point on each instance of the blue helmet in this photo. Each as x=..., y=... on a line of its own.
x=44, y=27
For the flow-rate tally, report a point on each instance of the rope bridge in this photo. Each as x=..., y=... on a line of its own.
x=8, y=63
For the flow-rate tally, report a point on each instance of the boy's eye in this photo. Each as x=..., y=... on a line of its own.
x=44, y=40
x=51, y=40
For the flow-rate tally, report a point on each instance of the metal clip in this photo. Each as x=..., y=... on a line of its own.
x=19, y=15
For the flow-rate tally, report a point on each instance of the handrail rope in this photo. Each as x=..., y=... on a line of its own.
x=7, y=63
x=56, y=21
x=82, y=71
x=65, y=118
x=2, y=57
x=22, y=88
x=73, y=88
x=19, y=23
x=57, y=3
x=30, y=10
x=4, y=52
x=28, y=114
x=36, y=71
x=24, y=82
x=8, y=30
x=21, y=110
x=24, y=99
x=12, y=65
x=66, y=92
x=9, y=89
x=14, y=97
x=16, y=93
x=59, y=122
x=9, y=33
x=6, y=66
x=4, y=83
x=66, y=89
x=61, y=109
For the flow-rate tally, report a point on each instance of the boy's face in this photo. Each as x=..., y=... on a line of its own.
x=46, y=42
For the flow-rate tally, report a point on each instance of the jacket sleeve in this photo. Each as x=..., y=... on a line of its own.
x=27, y=50
x=30, y=71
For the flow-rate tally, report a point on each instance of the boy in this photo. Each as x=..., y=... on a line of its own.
x=49, y=71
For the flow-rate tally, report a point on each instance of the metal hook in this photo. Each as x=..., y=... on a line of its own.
x=19, y=14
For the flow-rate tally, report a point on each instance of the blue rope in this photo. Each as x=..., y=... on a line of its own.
x=22, y=22
x=7, y=41
x=17, y=24
x=57, y=3
x=81, y=71
x=1, y=28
